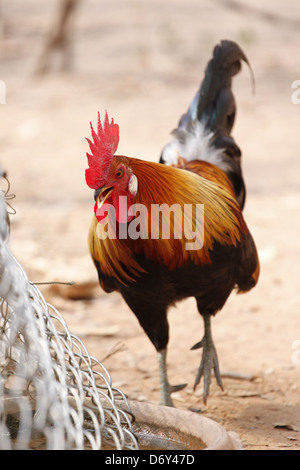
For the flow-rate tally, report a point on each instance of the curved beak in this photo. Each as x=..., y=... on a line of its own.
x=101, y=194
x=96, y=193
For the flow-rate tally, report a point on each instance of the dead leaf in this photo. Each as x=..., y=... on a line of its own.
x=287, y=426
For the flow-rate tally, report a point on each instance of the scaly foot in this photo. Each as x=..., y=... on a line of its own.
x=165, y=388
x=209, y=360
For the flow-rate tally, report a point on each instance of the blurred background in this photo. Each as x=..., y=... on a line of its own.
x=142, y=61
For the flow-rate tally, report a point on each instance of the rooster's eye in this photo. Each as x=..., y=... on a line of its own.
x=119, y=173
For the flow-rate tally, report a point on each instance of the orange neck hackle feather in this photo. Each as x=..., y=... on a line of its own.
x=161, y=184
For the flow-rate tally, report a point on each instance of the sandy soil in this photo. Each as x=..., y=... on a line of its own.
x=143, y=61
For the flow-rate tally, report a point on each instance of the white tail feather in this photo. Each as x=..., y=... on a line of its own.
x=194, y=143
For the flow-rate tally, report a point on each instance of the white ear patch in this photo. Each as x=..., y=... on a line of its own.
x=133, y=185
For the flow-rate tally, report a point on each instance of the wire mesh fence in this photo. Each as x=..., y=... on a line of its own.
x=53, y=394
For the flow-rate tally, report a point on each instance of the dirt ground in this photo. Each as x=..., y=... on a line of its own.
x=143, y=60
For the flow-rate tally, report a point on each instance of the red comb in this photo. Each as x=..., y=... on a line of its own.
x=103, y=147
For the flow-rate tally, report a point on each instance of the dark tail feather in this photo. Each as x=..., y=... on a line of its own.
x=214, y=106
x=214, y=103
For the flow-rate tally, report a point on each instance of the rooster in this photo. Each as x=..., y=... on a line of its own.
x=199, y=169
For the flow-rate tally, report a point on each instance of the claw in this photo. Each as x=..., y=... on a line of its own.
x=197, y=345
x=176, y=388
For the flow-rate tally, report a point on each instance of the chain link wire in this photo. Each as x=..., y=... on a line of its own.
x=53, y=394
